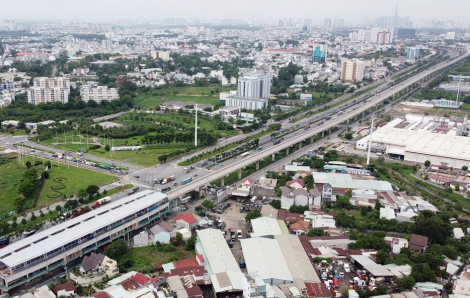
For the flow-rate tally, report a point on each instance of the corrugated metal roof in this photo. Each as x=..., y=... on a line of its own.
x=264, y=226
x=216, y=251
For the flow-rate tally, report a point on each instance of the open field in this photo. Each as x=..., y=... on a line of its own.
x=146, y=257
x=10, y=176
x=402, y=110
x=149, y=101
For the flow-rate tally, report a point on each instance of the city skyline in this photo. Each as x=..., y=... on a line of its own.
x=106, y=10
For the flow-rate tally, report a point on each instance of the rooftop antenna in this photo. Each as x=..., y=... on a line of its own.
x=370, y=141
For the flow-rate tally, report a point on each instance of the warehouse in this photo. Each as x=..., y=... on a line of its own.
x=264, y=256
x=53, y=248
x=265, y=226
x=417, y=141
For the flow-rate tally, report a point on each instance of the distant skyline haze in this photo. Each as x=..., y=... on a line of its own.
x=112, y=10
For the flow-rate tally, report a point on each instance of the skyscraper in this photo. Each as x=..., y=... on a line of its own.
x=412, y=53
x=327, y=22
x=352, y=71
x=406, y=33
x=395, y=17
x=319, y=53
x=255, y=86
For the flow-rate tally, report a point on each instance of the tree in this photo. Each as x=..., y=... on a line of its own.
x=348, y=136
x=207, y=204
x=58, y=208
x=423, y=273
x=28, y=164
x=316, y=232
x=82, y=194
x=252, y=215
x=23, y=221
x=20, y=203
x=27, y=188
x=406, y=283
x=178, y=239
x=45, y=175
x=106, y=147
x=427, y=163
x=117, y=249
x=92, y=190
x=432, y=226
x=33, y=216
x=383, y=258
x=191, y=243
x=464, y=168
x=48, y=165
x=163, y=158
x=276, y=204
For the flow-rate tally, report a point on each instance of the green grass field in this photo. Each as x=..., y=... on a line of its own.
x=145, y=257
x=10, y=177
x=150, y=101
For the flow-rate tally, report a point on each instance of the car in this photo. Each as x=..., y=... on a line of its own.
x=195, y=175
x=136, y=177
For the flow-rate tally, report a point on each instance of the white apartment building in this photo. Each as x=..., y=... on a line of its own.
x=352, y=71
x=46, y=90
x=37, y=95
x=44, y=82
x=98, y=93
x=450, y=35
x=165, y=56
x=254, y=86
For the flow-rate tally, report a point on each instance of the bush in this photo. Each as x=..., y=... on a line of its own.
x=94, y=147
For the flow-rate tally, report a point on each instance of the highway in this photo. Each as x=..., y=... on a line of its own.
x=251, y=159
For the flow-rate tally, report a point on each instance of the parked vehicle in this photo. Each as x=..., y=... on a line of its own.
x=347, y=268
x=83, y=150
x=245, y=154
x=328, y=117
x=4, y=241
x=260, y=148
x=242, y=264
x=253, y=199
x=80, y=211
x=29, y=233
x=239, y=234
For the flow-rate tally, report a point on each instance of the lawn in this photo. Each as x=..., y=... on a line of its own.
x=66, y=181
x=145, y=257
x=10, y=177
x=150, y=101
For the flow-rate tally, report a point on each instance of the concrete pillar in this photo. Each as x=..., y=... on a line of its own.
x=300, y=145
x=287, y=151
x=311, y=140
x=272, y=156
x=200, y=192
x=240, y=174
x=222, y=180
x=257, y=165
x=322, y=134
x=329, y=131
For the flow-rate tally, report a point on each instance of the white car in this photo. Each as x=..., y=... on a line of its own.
x=347, y=268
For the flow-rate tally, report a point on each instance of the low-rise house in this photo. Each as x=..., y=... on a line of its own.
x=159, y=234
x=43, y=292
x=296, y=183
x=418, y=243
x=67, y=289
x=300, y=197
x=458, y=233
x=302, y=226
x=315, y=197
x=440, y=180
x=187, y=221
x=287, y=198
x=267, y=183
x=461, y=287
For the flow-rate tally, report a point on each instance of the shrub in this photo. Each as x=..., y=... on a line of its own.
x=94, y=147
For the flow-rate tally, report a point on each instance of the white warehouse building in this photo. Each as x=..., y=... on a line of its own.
x=42, y=253
x=418, y=145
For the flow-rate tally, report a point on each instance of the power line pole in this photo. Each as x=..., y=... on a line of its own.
x=370, y=141
x=195, y=129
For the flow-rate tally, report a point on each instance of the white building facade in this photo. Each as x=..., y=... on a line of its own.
x=99, y=93
x=254, y=86
x=46, y=90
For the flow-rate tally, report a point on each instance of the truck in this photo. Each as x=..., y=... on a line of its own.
x=320, y=122
x=253, y=199
x=306, y=127
x=242, y=208
x=169, y=179
x=186, y=170
x=187, y=180
x=102, y=201
x=239, y=234
x=80, y=211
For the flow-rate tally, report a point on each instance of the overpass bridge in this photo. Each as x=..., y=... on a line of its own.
x=390, y=93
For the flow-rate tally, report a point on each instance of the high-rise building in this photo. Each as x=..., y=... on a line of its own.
x=450, y=35
x=327, y=22
x=412, y=53
x=381, y=35
x=352, y=71
x=46, y=90
x=107, y=44
x=360, y=35
x=406, y=33
x=165, y=56
x=98, y=94
x=255, y=86
x=338, y=23
x=319, y=53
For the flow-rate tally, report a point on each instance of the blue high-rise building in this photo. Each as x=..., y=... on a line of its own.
x=412, y=53
x=319, y=53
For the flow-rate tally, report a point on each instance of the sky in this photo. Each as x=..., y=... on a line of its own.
x=109, y=10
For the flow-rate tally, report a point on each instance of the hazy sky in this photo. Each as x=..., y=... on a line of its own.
x=256, y=9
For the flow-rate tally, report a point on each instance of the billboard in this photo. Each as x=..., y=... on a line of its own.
x=307, y=97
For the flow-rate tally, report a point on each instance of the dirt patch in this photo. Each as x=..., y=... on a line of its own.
x=402, y=110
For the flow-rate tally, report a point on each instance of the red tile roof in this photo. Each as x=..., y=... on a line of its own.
x=140, y=279
x=418, y=240
x=248, y=181
x=101, y=294
x=197, y=271
x=318, y=290
x=185, y=263
x=194, y=292
x=297, y=180
x=200, y=258
x=188, y=217
x=129, y=285
x=69, y=287
x=442, y=179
